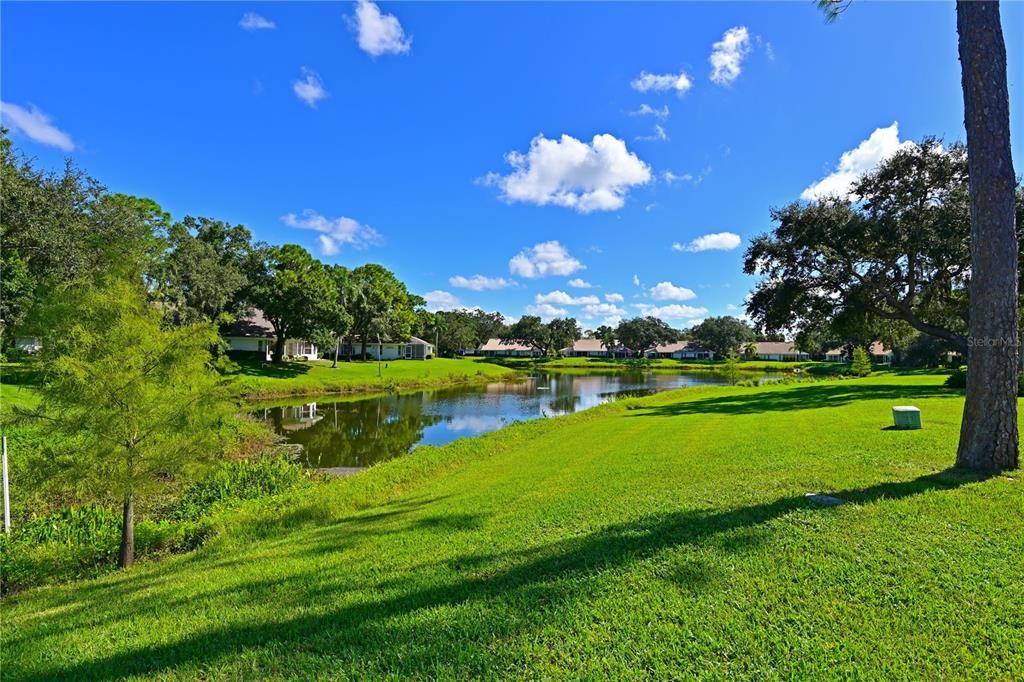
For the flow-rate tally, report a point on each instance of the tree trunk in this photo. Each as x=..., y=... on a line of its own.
x=278, y=356
x=989, y=439
x=127, y=555
x=337, y=349
x=363, y=354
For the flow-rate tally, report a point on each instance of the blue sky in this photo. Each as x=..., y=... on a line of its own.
x=506, y=141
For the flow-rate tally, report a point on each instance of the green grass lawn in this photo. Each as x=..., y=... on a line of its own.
x=265, y=380
x=660, y=537
x=18, y=384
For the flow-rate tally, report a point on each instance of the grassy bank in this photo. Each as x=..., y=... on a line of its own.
x=668, y=364
x=256, y=380
x=658, y=537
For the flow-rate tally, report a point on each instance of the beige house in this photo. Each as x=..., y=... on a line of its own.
x=780, y=351
x=499, y=348
x=595, y=348
x=877, y=350
x=681, y=350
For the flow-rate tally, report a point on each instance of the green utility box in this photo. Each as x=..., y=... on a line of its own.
x=906, y=417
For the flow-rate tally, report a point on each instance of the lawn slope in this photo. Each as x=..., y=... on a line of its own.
x=264, y=380
x=659, y=537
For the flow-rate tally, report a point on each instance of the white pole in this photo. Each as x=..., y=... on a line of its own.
x=7, y=494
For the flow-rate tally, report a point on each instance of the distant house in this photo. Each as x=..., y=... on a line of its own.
x=252, y=336
x=499, y=348
x=595, y=348
x=681, y=350
x=836, y=355
x=880, y=354
x=779, y=351
x=877, y=350
x=413, y=348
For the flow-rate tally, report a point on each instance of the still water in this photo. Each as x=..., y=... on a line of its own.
x=343, y=432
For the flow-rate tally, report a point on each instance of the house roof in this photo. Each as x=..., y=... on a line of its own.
x=415, y=340
x=776, y=348
x=499, y=345
x=876, y=348
x=679, y=346
x=253, y=325
x=590, y=346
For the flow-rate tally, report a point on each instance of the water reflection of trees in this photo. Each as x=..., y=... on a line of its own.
x=354, y=434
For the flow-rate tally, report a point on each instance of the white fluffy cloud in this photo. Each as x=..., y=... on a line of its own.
x=251, y=21
x=716, y=241
x=310, y=89
x=480, y=282
x=579, y=283
x=666, y=291
x=652, y=82
x=614, y=298
x=441, y=300
x=334, y=232
x=571, y=173
x=881, y=144
x=673, y=311
x=603, y=309
x=379, y=33
x=562, y=298
x=546, y=311
x=546, y=258
x=648, y=110
x=35, y=125
x=636, y=280
x=727, y=55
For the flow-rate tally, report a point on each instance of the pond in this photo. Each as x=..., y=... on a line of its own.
x=347, y=432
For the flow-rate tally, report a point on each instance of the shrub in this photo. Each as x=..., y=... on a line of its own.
x=861, y=365
x=235, y=481
x=957, y=379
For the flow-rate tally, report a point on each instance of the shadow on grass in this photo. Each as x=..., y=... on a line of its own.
x=522, y=590
x=21, y=374
x=812, y=396
x=269, y=370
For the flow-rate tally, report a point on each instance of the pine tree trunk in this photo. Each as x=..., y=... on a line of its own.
x=279, y=342
x=988, y=435
x=127, y=555
x=337, y=349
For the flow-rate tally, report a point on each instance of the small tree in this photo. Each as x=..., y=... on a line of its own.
x=861, y=365
x=731, y=368
x=141, y=404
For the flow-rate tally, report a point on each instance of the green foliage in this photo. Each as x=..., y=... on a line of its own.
x=860, y=362
x=79, y=542
x=958, y=379
x=231, y=482
x=381, y=306
x=641, y=334
x=294, y=291
x=836, y=258
x=722, y=335
x=731, y=368
x=203, y=274
x=529, y=330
